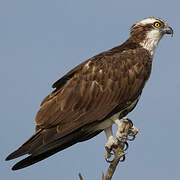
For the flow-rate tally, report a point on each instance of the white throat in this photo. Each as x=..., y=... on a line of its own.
x=151, y=41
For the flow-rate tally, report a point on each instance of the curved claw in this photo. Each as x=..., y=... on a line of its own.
x=126, y=146
x=118, y=139
x=132, y=138
x=131, y=133
x=122, y=159
x=129, y=121
x=109, y=161
x=108, y=156
x=108, y=150
x=122, y=139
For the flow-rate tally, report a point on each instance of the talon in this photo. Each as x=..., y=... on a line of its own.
x=118, y=139
x=108, y=156
x=111, y=147
x=131, y=123
x=108, y=150
x=115, y=146
x=121, y=139
x=122, y=159
x=125, y=119
x=126, y=146
x=133, y=131
x=109, y=161
x=132, y=138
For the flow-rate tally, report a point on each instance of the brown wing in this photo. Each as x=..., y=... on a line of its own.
x=92, y=90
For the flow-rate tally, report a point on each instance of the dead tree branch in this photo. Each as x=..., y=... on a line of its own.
x=80, y=176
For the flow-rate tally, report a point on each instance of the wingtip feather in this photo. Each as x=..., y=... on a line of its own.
x=11, y=156
x=16, y=154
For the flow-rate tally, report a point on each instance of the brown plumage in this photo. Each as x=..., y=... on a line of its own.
x=91, y=93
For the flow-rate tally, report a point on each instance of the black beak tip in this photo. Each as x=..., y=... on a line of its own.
x=170, y=31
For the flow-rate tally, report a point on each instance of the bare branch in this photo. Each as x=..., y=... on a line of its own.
x=80, y=176
x=103, y=178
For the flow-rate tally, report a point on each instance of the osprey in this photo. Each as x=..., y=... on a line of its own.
x=94, y=95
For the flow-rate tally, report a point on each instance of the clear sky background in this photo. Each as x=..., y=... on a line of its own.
x=40, y=40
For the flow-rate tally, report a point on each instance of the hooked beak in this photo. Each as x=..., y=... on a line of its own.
x=168, y=30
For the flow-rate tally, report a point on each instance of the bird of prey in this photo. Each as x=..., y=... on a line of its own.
x=94, y=95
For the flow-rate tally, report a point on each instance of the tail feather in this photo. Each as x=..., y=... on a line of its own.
x=48, y=150
x=24, y=149
x=44, y=151
x=30, y=160
x=19, y=152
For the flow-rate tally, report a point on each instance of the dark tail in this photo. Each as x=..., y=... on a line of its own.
x=49, y=149
x=24, y=149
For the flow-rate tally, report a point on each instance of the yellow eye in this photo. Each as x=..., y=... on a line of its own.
x=157, y=25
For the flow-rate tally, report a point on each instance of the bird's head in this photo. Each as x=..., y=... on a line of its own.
x=149, y=31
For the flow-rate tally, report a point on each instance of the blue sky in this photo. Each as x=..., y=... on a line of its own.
x=41, y=40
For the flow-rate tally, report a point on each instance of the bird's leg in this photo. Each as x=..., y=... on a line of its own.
x=110, y=144
x=125, y=132
x=110, y=139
